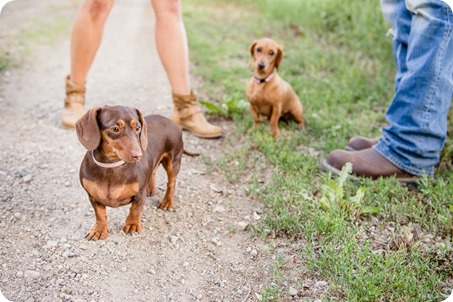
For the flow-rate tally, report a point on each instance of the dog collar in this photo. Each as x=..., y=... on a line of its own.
x=107, y=165
x=265, y=80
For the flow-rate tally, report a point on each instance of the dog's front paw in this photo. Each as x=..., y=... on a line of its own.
x=275, y=132
x=98, y=232
x=132, y=226
x=166, y=204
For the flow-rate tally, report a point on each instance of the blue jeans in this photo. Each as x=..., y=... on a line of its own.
x=422, y=33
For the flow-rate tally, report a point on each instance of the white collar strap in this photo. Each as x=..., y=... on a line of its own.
x=107, y=165
x=265, y=80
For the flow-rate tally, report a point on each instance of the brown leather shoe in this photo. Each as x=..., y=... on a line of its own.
x=73, y=103
x=189, y=116
x=365, y=163
x=357, y=143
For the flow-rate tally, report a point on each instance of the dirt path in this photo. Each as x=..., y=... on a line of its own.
x=196, y=253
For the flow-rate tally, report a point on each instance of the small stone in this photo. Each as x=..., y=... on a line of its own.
x=242, y=225
x=256, y=216
x=68, y=254
x=31, y=275
x=124, y=269
x=59, y=281
x=321, y=284
x=292, y=291
x=19, y=274
x=254, y=253
x=17, y=215
x=174, y=239
x=83, y=247
x=52, y=243
x=27, y=178
x=152, y=272
x=218, y=209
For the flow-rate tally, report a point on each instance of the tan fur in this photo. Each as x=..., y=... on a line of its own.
x=276, y=98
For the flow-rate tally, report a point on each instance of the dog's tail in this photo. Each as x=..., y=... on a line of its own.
x=192, y=154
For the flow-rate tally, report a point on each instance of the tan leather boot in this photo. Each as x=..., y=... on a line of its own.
x=188, y=115
x=73, y=103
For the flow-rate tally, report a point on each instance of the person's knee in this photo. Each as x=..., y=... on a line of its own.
x=167, y=8
x=98, y=8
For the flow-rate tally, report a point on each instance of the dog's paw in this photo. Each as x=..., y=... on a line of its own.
x=275, y=132
x=98, y=233
x=132, y=227
x=166, y=204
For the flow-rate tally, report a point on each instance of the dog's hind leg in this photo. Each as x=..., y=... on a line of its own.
x=172, y=169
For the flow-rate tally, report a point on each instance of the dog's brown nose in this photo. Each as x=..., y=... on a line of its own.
x=136, y=155
x=261, y=65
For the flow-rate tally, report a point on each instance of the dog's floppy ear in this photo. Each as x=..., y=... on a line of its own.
x=252, y=52
x=88, y=129
x=143, y=132
x=279, y=57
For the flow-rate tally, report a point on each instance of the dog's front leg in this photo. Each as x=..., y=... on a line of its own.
x=256, y=115
x=134, y=219
x=276, y=113
x=101, y=228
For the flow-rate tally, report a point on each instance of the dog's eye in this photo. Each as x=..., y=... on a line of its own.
x=115, y=129
x=271, y=53
x=258, y=49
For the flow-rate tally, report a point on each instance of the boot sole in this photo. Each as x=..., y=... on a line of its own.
x=203, y=135
x=412, y=181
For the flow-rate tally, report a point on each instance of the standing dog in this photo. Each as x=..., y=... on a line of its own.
x=268, y=94
x=124, y=151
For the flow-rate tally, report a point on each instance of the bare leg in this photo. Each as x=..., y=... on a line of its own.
x=171, y=41
x=86, y=37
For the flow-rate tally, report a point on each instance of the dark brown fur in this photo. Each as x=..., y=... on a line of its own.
x=122, y=133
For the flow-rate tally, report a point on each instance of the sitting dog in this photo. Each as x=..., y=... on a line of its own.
x=268, y=94
x=124, y=151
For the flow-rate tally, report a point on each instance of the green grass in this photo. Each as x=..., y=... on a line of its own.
x=371, y=241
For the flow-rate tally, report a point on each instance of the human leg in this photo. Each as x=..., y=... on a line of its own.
x=172, y=47
x=86, y=38
x=417, y=116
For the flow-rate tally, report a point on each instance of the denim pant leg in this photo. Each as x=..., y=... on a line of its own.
x=417, y=115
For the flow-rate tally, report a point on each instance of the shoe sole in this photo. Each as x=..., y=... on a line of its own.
x=329, y=168
x=202, y=135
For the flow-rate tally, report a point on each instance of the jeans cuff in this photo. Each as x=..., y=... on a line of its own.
x=392, y=157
